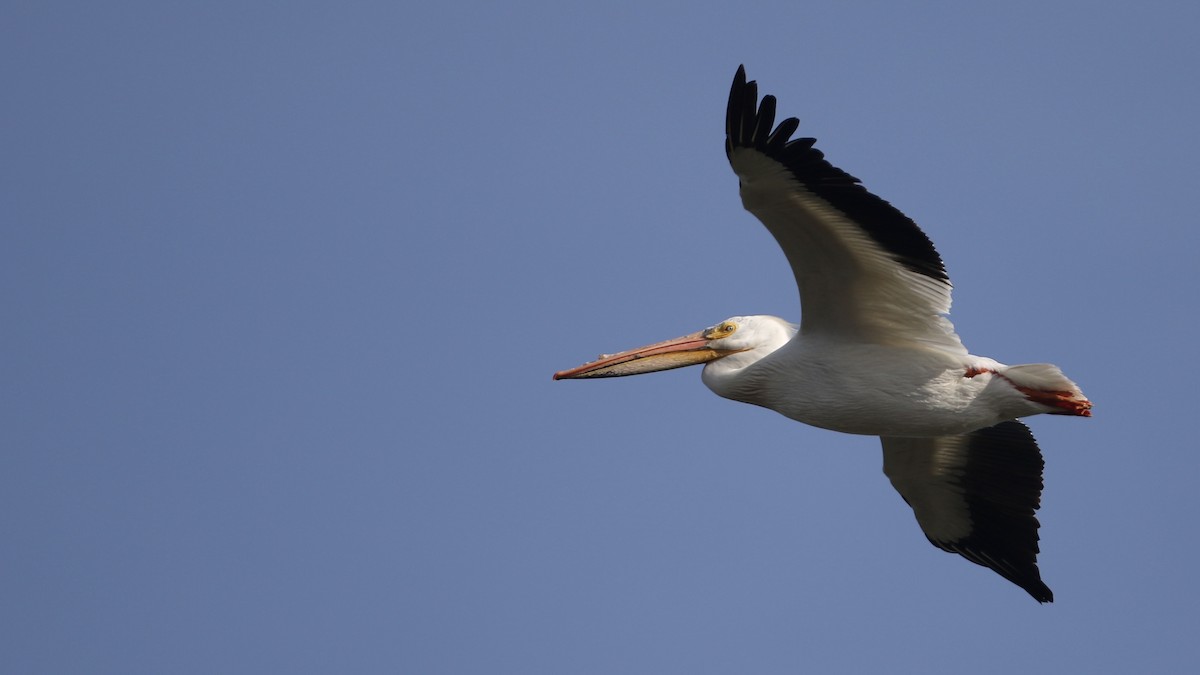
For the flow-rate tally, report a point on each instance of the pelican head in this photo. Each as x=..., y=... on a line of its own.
x=747, y=338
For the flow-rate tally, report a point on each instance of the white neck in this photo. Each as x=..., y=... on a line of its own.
x=736, y=376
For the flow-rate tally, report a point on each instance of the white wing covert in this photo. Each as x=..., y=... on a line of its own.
x=865, y=271
x=976, y=495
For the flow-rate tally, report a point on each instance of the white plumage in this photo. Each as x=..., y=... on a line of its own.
x=874, y=353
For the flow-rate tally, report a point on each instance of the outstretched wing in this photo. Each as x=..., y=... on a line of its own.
x=976, y=495
x=866, y=272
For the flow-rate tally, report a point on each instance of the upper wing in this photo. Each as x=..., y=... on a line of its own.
x=865, y=271
x=975, y=495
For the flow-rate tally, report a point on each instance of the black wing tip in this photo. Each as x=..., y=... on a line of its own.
x=1032, y=584
x=1006, y=495
x=745, y=121
x=1023, y=572
x=1040, y=592
x=749, y=122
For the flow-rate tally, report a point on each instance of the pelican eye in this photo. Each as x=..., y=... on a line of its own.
x=726, y=328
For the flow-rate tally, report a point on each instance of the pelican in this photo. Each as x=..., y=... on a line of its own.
x=874, y=353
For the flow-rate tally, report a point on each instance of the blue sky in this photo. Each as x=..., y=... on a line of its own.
x=284, y=285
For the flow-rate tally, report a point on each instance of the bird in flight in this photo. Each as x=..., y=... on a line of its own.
x=874, y=353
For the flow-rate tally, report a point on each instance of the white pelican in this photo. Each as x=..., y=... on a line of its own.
x=874, y=353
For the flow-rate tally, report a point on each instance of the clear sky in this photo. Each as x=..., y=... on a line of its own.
x=283, y=286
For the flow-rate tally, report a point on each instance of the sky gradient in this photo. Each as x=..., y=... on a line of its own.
x=284, y=285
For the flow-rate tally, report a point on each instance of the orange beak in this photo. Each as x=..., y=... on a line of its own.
x=688, y=350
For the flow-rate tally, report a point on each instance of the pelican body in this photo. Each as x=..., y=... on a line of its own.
x=874, y=353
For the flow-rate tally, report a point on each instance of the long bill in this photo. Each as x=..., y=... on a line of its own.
x=689, y=350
